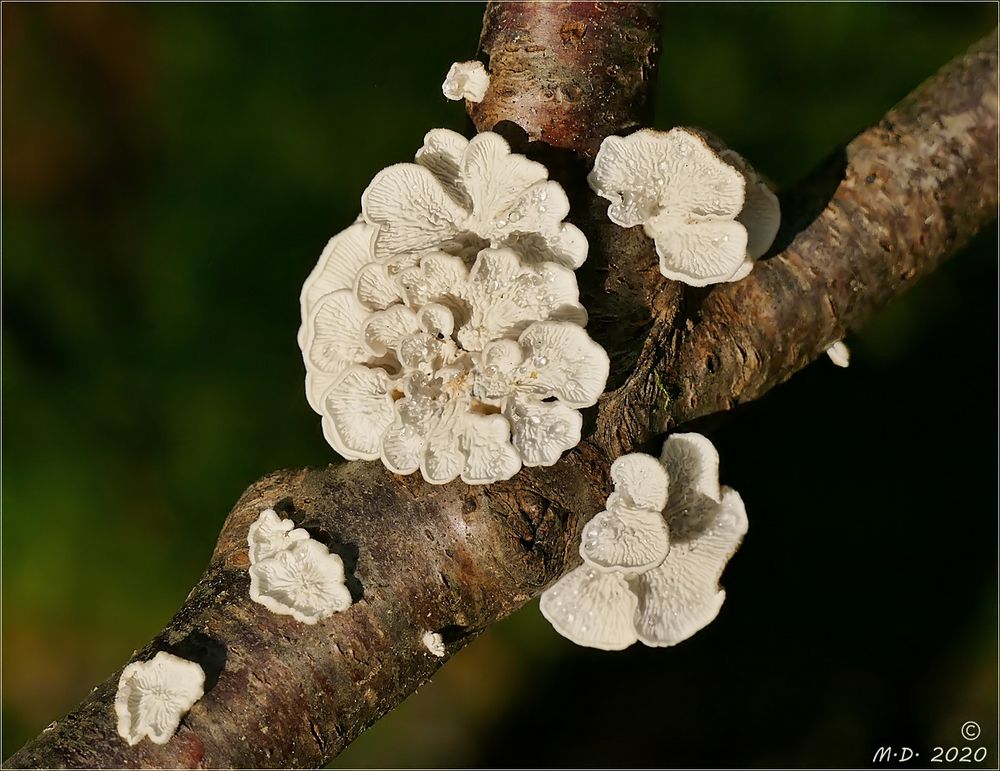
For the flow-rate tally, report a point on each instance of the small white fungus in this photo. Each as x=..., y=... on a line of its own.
x=434, y=643
x=637, y=582
x=708, y=213
x=466, y=80
x=592, y=608
x=154, y=695
x=269, y=534
x=292, y=574
x=462, y=195
x=839, y=354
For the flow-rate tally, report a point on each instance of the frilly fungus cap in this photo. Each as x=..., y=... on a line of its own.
x=154, y=695
x=708, y=213
x=657, y=585
x=444, y=332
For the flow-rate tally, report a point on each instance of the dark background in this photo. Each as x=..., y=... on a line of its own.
x=170, y=175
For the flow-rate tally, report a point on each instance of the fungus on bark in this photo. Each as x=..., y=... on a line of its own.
x=434, y=643
x=466, y=80
x=640, y=581
x=450, y=336
x=462, y=195
x=154, y=695
x=304, y=581
x=292, y=574
x=593, y=608
x=630, y=536
x=270, y=534
x=708, y=213
x=839, y=354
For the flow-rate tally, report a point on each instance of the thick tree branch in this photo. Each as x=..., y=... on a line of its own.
x=907, y=194
x=456, y=559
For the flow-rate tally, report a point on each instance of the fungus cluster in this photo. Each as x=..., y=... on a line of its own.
x=708, y=212
x=154, y=695
x=653, y=558
x=292, y=574
x=442, y=331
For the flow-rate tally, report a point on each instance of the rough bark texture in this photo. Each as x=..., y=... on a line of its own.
x=904, y=195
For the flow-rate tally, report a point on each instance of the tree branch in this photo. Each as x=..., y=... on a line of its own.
x=907, y=194
x=455, y=559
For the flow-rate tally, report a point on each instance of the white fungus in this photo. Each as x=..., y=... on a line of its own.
x=466, y=80
x=154, y=695
x=462, y=195
x=839, y=354
x=682, y=594
x=444, y=333
x=592, y=608
x=292, y=574
x=630, y=536
x=760, y=215
x=697, y=204
x=640, y=481
x=609, y=602
x=433, y=642
x=270, y=534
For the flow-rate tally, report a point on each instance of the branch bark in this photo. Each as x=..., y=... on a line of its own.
x=901, y=198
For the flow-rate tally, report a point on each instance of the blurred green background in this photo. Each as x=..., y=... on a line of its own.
x=170, y=175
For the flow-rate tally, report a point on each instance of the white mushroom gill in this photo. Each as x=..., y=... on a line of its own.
x=630, y=536
x=709, y=214
x=444, y=333
x=462, y=195
x=291, y=574
x=466, y=80
x=154, y=695
x=639, y=581
x=592, y=608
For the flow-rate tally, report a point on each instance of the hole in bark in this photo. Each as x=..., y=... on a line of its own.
x=285, y=506
x=710, y=363
x=516, y=136
x=453, y=633
x=209, y=653
x=348, y=552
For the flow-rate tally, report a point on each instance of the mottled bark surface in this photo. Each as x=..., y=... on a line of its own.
x=569, y=74
x=905, y=195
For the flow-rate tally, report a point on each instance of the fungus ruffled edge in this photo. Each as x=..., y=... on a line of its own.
x=291, y=574
x=466, y=80
x=610, y=603
x=154, y=695
x=391, y=286
x=708, y=212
